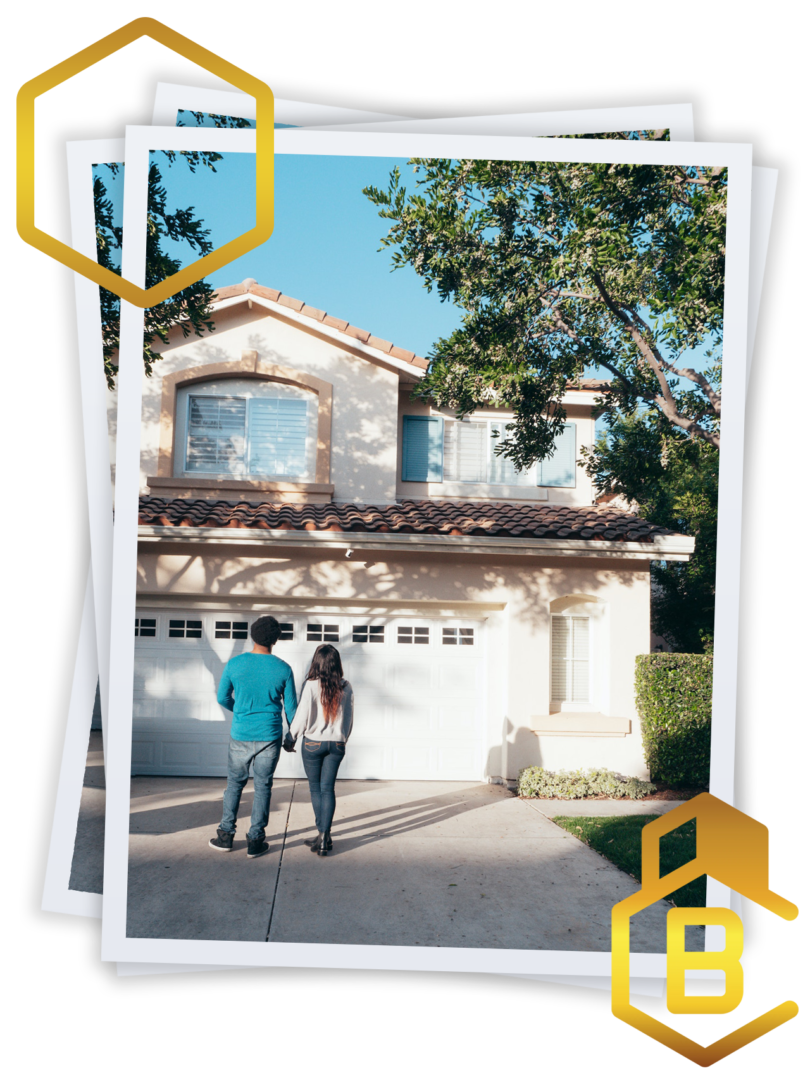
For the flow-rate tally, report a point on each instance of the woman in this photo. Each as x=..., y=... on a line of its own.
x=324, y=718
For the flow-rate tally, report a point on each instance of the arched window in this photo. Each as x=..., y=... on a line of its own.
x=246, y=428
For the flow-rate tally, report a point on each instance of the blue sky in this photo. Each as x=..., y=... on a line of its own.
x=324, y=249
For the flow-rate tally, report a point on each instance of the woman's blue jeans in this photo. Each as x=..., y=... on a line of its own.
x=264, y=758
x=321, y=763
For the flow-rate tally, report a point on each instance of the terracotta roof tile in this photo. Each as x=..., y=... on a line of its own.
x=411, y=516
x=249, y=285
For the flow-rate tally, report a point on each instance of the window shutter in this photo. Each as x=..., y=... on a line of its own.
x=570, y=658
x=277, y=437
x=559, y=470
x=422, y=455
x=216, y=435
x=465, y=451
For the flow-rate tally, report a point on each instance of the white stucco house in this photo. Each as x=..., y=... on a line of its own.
x=487, y=620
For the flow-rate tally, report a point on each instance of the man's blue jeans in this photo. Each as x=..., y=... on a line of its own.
x=263, y=757
x=321, y=763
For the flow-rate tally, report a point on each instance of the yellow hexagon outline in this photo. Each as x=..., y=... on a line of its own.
x=773, y=1039
x=66, y=255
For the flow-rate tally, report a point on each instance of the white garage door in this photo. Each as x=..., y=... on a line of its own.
x=418, y=685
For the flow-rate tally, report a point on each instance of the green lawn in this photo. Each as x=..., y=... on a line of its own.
x=619, y=839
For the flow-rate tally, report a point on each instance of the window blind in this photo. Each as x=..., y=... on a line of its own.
x=240, y=436
x=216, y=435
x=277, y=437
x=570, y=658
x=465, y=451
x=560, y=470
x=502, y=470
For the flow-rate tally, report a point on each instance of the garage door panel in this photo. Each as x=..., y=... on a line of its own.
x=213, y=753
x=455, y=719
x=147, y=672
x=146, y=709
x=418, y=707
x=411, y=760
x=455, y=677
x=183, y=753
x=412, y=676
x=364, y=762
x=455, y=760
x=406, y=719
x=143, y=752
x=186, y=709
x=377, y=677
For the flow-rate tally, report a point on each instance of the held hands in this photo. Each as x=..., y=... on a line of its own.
x=289, y=743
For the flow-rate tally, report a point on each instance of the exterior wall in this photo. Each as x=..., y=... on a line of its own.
x=581, y=495
x=513, y=594
x=364, y=404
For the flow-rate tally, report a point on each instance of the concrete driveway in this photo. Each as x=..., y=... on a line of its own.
x=414, y=863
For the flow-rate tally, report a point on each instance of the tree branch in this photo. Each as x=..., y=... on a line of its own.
x=684, y=373
x=654, y=360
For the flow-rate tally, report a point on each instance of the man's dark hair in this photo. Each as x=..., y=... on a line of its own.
x=265, y=631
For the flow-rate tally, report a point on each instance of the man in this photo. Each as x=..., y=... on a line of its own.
x=253, y=687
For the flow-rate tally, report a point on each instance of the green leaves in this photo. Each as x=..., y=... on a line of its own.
x=562, y=267
x=535, y=782
x=671, y=480
x=674, y=701
x=190, y=308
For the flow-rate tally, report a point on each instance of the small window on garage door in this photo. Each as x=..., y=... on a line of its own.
x=458, y=635
x=368, y=635
x=146, y=628
x=413, y=635
x=323, y=631
x=185, y=628
x=224, y=628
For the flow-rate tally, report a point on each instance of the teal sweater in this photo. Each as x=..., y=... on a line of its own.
x=253, y=687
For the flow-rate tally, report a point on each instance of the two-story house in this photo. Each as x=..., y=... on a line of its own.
x=487, y=619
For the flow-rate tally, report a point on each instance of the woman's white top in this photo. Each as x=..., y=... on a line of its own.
x=309, y=717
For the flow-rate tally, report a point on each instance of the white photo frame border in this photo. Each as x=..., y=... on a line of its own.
x=115, y=944
x=57, y=895
x=676, y=118
x=170, y=97
x=239, y=104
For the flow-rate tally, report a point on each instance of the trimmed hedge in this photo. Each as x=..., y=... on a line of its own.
x=537, y=783
x=674, y=701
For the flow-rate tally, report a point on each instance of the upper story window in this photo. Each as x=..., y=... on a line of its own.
x=246, y=428
x=437, y=450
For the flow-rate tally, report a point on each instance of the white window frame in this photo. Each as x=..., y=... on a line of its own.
x=242, y=389
x=567, y=704
x=528, y=478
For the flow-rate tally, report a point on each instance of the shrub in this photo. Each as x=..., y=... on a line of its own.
x=674, y=701
x=537, y=783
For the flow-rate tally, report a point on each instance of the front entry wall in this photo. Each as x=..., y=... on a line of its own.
x=512, y=598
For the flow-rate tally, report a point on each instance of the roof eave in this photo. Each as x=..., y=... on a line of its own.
x=674, y=548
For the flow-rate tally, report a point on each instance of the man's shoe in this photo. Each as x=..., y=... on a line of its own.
x=257, y=847
x=223, y=841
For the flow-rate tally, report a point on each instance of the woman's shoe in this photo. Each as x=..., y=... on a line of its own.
x=323, y=844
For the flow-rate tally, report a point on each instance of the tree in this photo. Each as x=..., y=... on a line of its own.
x=671, y=480
x=559, y=267
x=562, y=267
x=190, y=308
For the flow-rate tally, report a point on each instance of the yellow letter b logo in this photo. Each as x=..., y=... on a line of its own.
x=679, y=961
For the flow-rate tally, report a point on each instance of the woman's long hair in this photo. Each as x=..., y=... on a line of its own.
x=327, y=667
